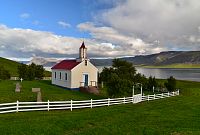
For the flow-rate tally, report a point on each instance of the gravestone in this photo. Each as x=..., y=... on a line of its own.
x=39, y=95
x=18, y=87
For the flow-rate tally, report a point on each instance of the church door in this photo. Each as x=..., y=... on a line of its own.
x=85, y=79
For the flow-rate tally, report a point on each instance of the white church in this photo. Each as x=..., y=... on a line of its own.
x=75, y=74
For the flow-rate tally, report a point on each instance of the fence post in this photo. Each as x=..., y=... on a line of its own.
x=148, y=97
x=178, y=91
x=124, y=100
x=48, y=105
x=168, y=93
x=71, y=105
x=108, y=101
x=17, y=106
x=91, y=103
x=173, y=93
x=133, y=99
x=154, y=96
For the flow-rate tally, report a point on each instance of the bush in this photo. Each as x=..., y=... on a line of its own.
x=151, y=83
x=30, y=72
x=171, y=84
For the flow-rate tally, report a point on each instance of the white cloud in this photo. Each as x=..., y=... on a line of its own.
x=118, y=43
x=16, y=42
x=64, y=24
x=24, y=15
x=165, y=20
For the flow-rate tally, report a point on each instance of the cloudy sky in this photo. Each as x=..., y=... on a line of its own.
x=110, y=28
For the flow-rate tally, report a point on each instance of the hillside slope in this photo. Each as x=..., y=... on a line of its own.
x=167, y=58
x=158, y=59
x=12, y=66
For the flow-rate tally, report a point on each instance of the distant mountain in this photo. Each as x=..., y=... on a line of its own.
x=46, y=62
x=50, y=62
x=167, y=58
x=101, y=62
x=162, y=58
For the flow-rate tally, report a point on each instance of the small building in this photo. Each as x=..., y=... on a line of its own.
x=77, y=73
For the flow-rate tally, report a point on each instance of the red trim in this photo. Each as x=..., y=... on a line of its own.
x=66, y=65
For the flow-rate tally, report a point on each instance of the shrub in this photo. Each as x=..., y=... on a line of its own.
x=171, y=83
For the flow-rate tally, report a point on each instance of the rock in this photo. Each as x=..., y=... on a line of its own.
x=18, y=87
x=39, y=95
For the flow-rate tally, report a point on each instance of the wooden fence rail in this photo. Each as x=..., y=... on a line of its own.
x=70, y=105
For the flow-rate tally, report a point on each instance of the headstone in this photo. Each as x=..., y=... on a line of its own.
x=18, y=87
x=39, y=95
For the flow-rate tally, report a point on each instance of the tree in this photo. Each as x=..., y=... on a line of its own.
x=39, y=72
x=170, y=84
x=151, y=83
x=119, y=78
x=22, y=71
x=139, y=78
x=119, y=87
x=31, y=71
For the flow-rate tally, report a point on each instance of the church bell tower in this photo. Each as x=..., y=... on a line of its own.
x=82, y=53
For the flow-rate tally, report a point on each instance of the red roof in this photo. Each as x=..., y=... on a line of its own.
x=83, y=45
x=66, y=64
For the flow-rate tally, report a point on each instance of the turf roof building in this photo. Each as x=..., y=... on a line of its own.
x=73, y=74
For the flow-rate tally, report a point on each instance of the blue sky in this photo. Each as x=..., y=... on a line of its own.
x=44, y=14
x=110, y=28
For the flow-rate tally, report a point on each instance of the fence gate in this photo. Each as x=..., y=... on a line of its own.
x=137, y=98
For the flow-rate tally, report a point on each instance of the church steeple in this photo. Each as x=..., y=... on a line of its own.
x=82, y=52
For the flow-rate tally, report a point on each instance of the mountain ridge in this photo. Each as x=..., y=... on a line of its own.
x=158, y=59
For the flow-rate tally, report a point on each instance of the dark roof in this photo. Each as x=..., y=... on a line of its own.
x=83, y=45
x=66, y=64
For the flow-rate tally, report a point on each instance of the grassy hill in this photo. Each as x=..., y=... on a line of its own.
x=175, y=115
x=11, y=66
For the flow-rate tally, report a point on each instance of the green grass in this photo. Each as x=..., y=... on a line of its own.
x=175, y=115
x=49, y=92
x=175, y=66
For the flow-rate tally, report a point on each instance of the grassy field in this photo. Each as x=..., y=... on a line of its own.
x=175, y=66
x=175, y=115
x=49, y=92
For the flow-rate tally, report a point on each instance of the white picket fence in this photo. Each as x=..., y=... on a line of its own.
x=58, y=105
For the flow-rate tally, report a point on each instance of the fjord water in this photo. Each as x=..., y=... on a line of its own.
x=191, y=74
